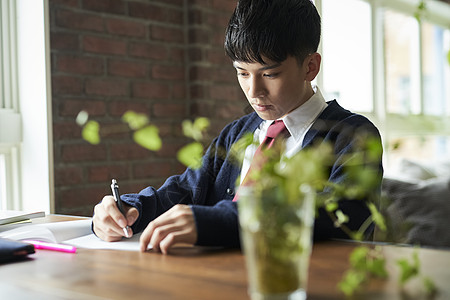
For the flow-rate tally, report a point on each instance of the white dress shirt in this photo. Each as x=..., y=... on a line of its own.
x=297, y=122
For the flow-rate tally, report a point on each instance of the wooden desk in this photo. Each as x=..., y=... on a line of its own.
x=192, y=273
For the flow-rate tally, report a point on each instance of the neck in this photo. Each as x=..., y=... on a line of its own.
x=309, y=92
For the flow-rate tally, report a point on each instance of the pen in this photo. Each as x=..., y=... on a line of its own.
x=52, y=246
x=115, y=192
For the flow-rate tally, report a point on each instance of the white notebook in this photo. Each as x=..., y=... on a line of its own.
x=76, y=233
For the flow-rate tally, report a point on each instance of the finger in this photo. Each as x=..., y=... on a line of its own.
x=149, y=232
x=132, y=214
x=112, y=209
x=175, y=219
x=176, y=225
x=104, y=231
x=104, y=225
x=161, y=232
x=184, y=236
x=108, y=236
x=146, y=235
x=171, y=239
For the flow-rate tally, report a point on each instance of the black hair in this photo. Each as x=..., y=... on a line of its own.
x=274, y=29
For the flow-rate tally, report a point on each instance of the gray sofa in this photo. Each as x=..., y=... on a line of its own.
x=416, y=204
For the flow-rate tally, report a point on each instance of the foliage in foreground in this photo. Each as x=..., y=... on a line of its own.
x=365, y=262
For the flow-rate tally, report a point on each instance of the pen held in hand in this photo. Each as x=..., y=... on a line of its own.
x=115, y=192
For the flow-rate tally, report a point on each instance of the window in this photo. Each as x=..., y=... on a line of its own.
x=379, y=60
x=2, y=181
x=10, y=123
x=347, y=74
x=436, y=71
x=26, y=176
x=401, y=63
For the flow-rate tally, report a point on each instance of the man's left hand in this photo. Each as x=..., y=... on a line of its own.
x=177, y=225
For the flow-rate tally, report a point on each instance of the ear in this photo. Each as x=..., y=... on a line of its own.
x=312, y=63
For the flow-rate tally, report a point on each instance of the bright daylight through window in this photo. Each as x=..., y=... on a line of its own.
x=25, y=138
x=382, y=61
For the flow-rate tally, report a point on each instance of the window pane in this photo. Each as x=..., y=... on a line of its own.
x=2, y=97
x=2, y=182
x=347, y=53
x=401, y=63
x=436, y=74
x=419, y=148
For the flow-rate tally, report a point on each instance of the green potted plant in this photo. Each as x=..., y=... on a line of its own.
x=277, y=211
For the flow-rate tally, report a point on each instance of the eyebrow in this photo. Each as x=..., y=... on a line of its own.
x=274, y=66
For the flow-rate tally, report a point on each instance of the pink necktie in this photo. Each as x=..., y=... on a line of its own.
x=276, y=129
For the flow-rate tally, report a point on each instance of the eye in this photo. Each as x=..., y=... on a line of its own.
x=242, y=74
x=271, y=75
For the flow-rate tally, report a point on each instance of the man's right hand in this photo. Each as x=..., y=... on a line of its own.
x=109, y=222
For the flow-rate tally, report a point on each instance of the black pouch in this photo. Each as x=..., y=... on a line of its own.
x=11, y=250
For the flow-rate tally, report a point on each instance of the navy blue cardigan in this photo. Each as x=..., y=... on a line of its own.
x=210, y=190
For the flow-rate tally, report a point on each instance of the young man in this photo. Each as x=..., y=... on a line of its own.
x=273, y=47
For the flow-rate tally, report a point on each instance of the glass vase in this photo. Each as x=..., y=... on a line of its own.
x=276, y=235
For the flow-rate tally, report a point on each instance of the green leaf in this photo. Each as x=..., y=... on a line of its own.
x=331, y=206
x=376, y=266
x=420, y=10
x=430, y=287
x=341, y=218
x=201, y=123
x=191, y=155
x=195, y=130
x=374, y=149
x=408, y=270
x=357, y=236
x=377, y=217
x=238, y=148
x=351, y=282
x=91, y=132
x=448, y=57
x=148, y=137
x=396, y=145
x=188, y=128
x=358, y=258
x=417, y=16
x=135, y=120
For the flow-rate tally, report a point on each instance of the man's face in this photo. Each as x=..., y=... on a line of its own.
x=274, y=89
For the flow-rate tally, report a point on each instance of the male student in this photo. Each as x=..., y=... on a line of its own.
x=273, y=45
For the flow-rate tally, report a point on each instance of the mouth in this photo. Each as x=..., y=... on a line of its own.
x=261, y=107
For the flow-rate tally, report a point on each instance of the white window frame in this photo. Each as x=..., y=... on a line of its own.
x=395, y=124
x=25, y=114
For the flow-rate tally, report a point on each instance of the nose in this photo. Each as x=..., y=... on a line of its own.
x=256, y=87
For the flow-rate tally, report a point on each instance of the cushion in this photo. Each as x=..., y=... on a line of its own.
x=417, y=213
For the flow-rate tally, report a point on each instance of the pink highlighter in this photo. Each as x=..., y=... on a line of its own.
x=52, y=246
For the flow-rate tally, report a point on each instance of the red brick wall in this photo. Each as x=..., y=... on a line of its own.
x=163, y=58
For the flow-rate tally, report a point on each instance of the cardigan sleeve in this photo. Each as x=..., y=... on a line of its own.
x=217, y=225
x=187, y=188
x=201, y=188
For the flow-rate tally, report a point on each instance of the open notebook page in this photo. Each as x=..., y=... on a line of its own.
x=77, y=233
